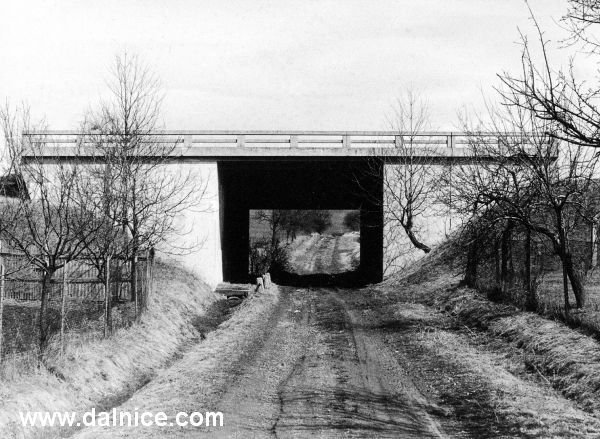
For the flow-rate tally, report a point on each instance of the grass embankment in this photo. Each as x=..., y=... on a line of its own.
x=204, y=374
x=567, y=358
x=101, y=373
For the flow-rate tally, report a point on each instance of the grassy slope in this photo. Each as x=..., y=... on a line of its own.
x=567, y=358
x=197, y=380
x=106, y=371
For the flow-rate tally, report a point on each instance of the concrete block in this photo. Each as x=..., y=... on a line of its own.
x=266, y=281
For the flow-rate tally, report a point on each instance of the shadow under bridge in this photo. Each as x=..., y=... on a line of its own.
x=246, y=185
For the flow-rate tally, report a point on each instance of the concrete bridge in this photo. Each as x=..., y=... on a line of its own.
x=279, y=170
x=279, y=145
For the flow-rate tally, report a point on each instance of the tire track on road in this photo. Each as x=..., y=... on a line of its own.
x=340, y=386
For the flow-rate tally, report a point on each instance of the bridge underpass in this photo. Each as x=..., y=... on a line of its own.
x=275, y=170
x=300, y=184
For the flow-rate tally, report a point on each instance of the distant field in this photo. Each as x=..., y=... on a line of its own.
x=260, y=230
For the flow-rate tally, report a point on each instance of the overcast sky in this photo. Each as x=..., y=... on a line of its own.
x=326, y=64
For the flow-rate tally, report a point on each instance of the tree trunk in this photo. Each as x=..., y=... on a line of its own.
x=497, y=261
x=107, y=299
x=149, y=277
x=576, y=284
x=415, y=241
x=63, y=310
x=471, y=268
x=2, y=274
x=531, y=303
x=273, y=235
x=506, y=257
x=134, y=284
x=135, y=242
x=133, y=279
x=528, y=260
x=565, y=286
x=43, y=318
x=133, y=265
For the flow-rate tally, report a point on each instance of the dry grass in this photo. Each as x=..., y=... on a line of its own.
x=83, y=323
x=533, y=410
x=551, y=302
x=197, y=380
x=568, y=358
x=103, y=371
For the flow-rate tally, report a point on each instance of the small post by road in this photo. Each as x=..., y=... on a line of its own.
x=259, y=285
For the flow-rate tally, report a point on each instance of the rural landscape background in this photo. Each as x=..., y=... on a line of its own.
x=115, y=239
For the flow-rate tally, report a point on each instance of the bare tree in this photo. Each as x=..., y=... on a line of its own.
x=52, y=227
x=581, y=19
x=409, y=176
x=408, y=188
x=141, y=194
x=275, y=221
x=107, y=246
x=291, y=222
x=557, y=94
x=529, y=179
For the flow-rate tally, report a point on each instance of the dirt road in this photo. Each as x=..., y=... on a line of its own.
x=340, y=379
x=324, y=253
x=342, y=363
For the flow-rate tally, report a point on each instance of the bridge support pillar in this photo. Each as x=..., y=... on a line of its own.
x=235, y=225
x=371, y=227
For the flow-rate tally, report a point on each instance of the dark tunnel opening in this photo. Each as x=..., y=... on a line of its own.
x=322, y=185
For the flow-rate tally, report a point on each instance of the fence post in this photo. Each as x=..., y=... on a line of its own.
x=594, y=246
x=134, y=284
x=149, y=275
x=107, y=299
x=62, y=310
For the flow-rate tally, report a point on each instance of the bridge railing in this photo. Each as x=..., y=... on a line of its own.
x=292, y=145
x=283, y=139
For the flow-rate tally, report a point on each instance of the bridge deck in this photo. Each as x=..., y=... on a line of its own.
x=231, y=145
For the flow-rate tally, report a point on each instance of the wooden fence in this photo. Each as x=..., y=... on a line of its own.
x=77, y=294
x=23, y=281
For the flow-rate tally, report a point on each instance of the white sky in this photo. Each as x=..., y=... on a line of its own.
x=326, y=64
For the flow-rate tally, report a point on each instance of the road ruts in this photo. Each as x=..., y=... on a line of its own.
x=318, y=374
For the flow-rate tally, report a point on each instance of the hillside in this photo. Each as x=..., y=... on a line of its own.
x=563, y=352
